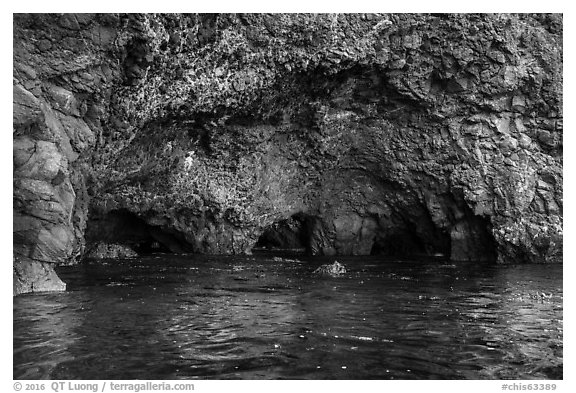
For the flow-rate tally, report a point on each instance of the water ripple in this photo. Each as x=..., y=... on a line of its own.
x=247, y=318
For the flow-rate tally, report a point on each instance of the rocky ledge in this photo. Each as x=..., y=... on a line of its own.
x=338, y=134
x=111, y=251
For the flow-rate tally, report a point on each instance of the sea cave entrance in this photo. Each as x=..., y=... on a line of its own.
x=126, y=228
x=406, y=243
x=292, y=234
x=468, y=239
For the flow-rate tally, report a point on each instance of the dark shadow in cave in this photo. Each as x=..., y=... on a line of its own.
x=472, y=240
x=124, y=227
x=291, y=234
x=407, y=243
x=469, y=239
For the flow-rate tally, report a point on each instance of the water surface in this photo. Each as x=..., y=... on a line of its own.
x=176, y=317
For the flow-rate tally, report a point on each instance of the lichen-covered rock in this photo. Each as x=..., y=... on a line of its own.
x=331, y=269
x=391, y=133
x=111, y=251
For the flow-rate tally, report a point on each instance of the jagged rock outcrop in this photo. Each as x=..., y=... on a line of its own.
x=375, y=132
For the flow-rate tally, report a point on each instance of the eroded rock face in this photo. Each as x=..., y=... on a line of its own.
x=392, y=133
x=34, y=276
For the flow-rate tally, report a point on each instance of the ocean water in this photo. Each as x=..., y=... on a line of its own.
x=264, y=317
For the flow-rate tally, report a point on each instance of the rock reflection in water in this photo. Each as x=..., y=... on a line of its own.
x=240, y=317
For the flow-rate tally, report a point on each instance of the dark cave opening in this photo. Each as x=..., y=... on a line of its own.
x=126, y=228
x=472, y=240
x=407, y=243
x=468, y=239
x=291, y=234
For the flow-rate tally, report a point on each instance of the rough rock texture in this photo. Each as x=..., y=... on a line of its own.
x=34, y=276
x=390, y=134
x=335, y=269
x=106, y=250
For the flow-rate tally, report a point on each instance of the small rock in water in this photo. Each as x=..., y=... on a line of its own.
x=333, y=269
x=278, y=259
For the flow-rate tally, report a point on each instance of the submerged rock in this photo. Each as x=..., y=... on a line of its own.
x=331, y=269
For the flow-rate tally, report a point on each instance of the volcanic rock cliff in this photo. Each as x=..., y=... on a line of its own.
x=340, y=134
